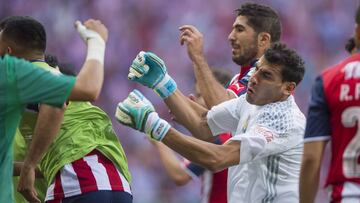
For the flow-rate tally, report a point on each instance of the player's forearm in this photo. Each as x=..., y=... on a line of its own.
x=208, y=155
x=189, y=115
x=309, y=181
x=46, y=129
x=172, y=165
x=211, y=90
x=89, y=81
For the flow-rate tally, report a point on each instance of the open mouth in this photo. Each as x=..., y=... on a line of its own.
x=251, y=91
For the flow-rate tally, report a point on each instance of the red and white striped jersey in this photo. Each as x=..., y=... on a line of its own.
x=93, y=172
x=334, y=114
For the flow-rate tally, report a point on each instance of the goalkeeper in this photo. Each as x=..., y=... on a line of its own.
x=266, y=124
x=20, y=84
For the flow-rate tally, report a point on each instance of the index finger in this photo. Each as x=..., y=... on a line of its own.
x=189, y=27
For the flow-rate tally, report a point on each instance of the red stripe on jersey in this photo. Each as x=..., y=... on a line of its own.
x=336, y=193
x=58, y=190
x=114, y=178
x=85, y=176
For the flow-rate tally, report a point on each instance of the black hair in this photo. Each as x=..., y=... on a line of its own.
x=262, y=19
x=27, y=33
x=292, y=64
x=357, y=15
x=350, y=45
x=51, y=60
x=65, y=68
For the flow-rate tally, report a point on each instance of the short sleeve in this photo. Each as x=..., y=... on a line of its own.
x=224, y=117
x=318, y=124
x=35, y=85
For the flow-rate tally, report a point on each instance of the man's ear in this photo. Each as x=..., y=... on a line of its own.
x=289, y=88
x=9, y=50
x=264, y=39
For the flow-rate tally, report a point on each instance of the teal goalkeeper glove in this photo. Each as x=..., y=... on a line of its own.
x=138, y=113
x=149, y=70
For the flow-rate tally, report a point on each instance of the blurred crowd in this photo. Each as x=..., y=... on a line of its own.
x=317, y=29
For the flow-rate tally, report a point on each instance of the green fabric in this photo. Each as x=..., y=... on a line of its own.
x=20, y=83
x=84, y=128
x=19, y=149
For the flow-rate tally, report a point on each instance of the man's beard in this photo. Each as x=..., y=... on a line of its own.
x=248, y=56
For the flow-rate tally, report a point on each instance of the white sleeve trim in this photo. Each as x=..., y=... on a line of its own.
x=315, y=139
x=189, y=172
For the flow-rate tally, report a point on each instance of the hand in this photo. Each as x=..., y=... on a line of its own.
x=92, y=29
x=26, y=184
x=138, y=113
x=193, y=39
x=149, y=70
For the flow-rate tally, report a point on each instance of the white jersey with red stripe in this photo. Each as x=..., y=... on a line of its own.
x=93, y=172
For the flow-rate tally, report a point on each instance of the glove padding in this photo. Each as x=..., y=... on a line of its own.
x=138, y=113
x=149, y=70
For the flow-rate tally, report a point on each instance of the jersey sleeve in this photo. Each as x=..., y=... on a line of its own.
x=318, y=124
x=224, y=117
x=35, y=85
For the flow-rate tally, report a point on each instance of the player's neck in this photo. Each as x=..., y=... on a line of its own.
x=34, y=57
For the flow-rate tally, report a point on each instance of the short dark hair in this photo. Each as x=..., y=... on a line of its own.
x=262, y=19
x=292, y=64
x=350, y=45
x=357, y=15
x=51, y=60
x=26, y=32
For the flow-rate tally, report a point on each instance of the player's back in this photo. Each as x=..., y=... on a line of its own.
x=341, y=85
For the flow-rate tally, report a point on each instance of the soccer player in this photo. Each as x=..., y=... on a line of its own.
x=22, y=83
x=267, y=126
x=334, y=115
x=85, y=163
x=255, y=28
x=213, y=188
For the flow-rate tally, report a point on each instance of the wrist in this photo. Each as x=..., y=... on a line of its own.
x=156, y=127
x=96, y=49
x=165, y=87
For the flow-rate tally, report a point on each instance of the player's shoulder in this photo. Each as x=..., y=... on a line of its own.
x=337, y=70
x=281, y=116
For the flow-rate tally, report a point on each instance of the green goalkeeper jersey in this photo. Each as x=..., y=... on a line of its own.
x=84, y=128
x=20, y=83
x=22, y=140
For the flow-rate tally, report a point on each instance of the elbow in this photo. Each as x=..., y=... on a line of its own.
x=181, y=181
x=91, y=95
x=215, y=165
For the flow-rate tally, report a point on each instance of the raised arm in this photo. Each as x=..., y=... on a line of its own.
x=149, y=70
x=213, y=92
x=89, y=80
x=138, y=113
